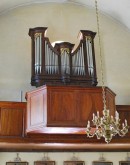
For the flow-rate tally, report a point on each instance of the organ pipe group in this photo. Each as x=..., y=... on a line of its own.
x=62, y=64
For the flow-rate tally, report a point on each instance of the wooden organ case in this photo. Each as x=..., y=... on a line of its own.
x=68, y=94
x=60, y=64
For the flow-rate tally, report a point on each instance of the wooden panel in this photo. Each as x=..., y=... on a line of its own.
x=73, y=106
x=36, y=109
x=61, y=108
x=84, y=106
x=12, y=118
x=36, y=105
x=64, y=106
x=11, y=122
x=110, y=101
x=88, y=104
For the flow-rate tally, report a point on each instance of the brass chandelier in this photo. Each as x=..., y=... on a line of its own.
x=106, y=126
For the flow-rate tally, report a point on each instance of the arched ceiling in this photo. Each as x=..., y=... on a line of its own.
x=117, y=9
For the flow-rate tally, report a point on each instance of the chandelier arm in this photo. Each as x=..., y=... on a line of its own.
x=89, y=133
x=123, y=131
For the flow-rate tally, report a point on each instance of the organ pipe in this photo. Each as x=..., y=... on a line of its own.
x=61, y=64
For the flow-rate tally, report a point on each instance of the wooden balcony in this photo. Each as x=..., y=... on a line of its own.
x=42, y=124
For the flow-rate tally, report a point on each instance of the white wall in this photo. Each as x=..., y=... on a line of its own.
x=64, y=22
x=60, y=157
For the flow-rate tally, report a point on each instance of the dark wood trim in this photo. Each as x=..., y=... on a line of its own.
x=63, y=147
x=123, y=108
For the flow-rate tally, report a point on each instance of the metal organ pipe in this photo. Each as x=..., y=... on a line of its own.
x=62, y=63
x=37, y=41
x=65, y=65
x=79, y=65
x=46, y=57
x=89, y=56
x=49, y=55
x=83, y=66
x=55, y=62
x=91, y=59
x=38, y=51
x=73, y=62
x=78, y=62
x=35, y=55
x=51, y=60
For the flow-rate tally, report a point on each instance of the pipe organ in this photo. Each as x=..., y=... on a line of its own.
x=61, y=65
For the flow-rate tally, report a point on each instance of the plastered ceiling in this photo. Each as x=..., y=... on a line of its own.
x=117, y=9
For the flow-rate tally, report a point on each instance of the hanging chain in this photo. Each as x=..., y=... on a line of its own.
x=100, y=52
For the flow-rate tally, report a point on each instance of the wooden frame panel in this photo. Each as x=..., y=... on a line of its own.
x=16, y=163
x=44, y=163
x=124, y=162
x=74, y=163
x=102, y=163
